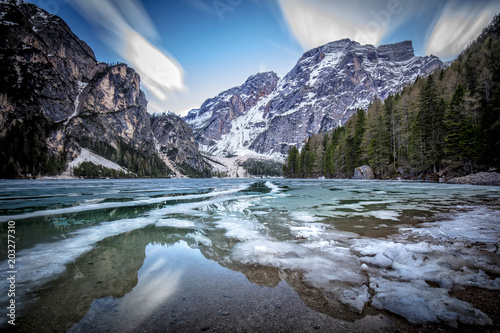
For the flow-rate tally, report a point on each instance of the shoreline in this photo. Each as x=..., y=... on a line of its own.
x=478, y=179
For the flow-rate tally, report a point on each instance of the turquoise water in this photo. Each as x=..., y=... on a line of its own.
x=246, y=254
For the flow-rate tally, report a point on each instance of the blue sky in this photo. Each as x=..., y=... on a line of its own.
x=189, y=50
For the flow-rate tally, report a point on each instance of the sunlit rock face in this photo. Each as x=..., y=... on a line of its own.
x=228, y=123
x=326, y=86
x=112, y=108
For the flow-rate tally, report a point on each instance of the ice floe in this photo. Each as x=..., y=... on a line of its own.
x=419, y=303
x=176, y=223
x=409, y=273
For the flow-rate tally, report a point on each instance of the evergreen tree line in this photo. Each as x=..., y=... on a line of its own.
x=142, y=164
x=90, y=170
x=256, y=167
x=448, y=122
x=23, y=149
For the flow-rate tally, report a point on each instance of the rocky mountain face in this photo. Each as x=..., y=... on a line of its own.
x=41, y=55
x=112, y=108
x=267, y=115
x=56, y=98
x=218, y=118
x=176, y=141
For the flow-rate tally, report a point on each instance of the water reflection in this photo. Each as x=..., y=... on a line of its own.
x=113, y=287
x=109, y=270
x=242, y=258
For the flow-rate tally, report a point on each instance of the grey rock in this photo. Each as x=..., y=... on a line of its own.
x=364, y=172
x=177, y=141
x=216, y=116
x=113, y=108
x=401, y=51
x=40, y=56
x=481, y=178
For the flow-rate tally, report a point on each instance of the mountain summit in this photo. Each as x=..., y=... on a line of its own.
x=266, y=116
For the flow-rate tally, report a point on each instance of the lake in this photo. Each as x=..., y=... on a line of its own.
x=242, y=255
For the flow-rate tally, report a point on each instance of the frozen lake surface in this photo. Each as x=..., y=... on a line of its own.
x=250, y=255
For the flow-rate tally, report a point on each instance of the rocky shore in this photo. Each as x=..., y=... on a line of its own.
x=481, y=178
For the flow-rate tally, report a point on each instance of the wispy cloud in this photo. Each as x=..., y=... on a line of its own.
x=457, y=25
x=317, y=22
x=454, y=23
x=135, y=14
x=129, y=31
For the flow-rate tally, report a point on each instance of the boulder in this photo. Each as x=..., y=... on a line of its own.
x=364, y=172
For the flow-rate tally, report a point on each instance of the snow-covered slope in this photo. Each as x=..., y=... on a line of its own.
x=230, y=122
x=265, y=116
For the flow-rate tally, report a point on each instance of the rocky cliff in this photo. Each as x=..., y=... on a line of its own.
x=176, y=141
x=112, y=108
x=326, y=86
x=56, y=99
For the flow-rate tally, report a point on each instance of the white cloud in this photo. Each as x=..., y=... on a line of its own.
x=456, y=22
x=126, y=29
x=135, y=14
x=317, y=22
x=457, y=26
x=159, y=72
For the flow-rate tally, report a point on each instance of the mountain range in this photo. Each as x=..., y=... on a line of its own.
x=267, y=115
x=62, y=108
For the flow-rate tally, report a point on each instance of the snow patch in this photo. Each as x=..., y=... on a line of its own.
x=303, y=216
x=355, y=298
x=307, y=231
x=81, y=86
x=88, y=156
x=423, y=304
x=274, y=188
x=240, y=229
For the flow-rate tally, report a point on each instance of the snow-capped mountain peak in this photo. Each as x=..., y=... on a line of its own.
x=327, y=85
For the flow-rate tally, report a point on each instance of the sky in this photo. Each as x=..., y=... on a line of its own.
x=189, y=50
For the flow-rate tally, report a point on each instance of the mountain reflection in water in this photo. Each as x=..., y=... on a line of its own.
x=229, y=255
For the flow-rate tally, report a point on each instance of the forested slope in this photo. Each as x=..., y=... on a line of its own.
x=446, y=124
